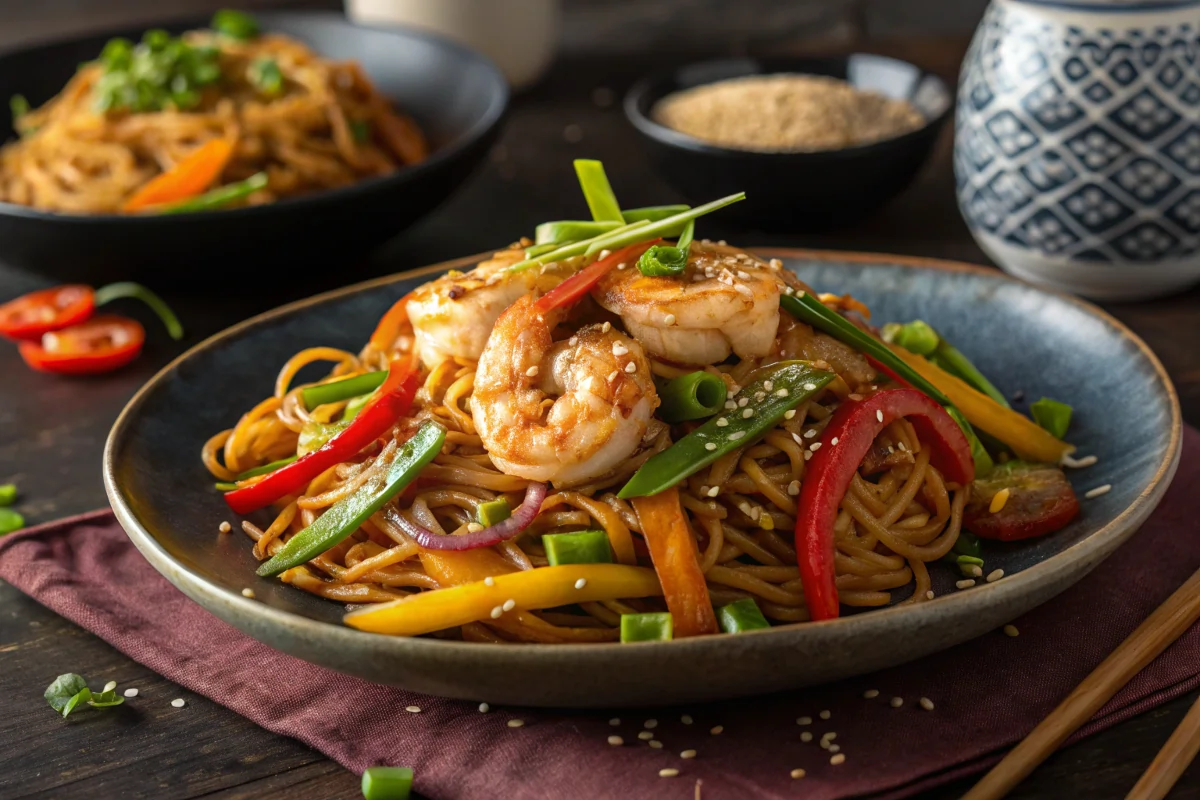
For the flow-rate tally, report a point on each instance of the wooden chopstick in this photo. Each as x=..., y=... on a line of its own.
x=1171, y=761
x=1155, y=634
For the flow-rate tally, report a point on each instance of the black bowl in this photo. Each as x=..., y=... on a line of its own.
x=800, y=190
x=457, y=96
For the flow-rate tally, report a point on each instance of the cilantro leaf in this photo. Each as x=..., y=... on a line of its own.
x=64, y=689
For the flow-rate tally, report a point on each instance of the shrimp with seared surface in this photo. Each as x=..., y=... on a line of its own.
x=453, y=316
x=560, y=411
x=726, y=300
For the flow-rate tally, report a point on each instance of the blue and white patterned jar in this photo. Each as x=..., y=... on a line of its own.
x=1077, y=149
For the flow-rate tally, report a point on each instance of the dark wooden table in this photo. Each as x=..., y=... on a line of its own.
x=52, y=432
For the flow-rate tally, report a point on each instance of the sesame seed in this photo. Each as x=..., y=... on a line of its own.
x=833, y=748
x=131, y=692
x=789, y=291
x=815, y=446
x=716, y=730
x=745, y=401
x=621, y=266
x=824, y=715
x=722, y=242
x=759, y=396
x=965, y=584
x=484, y=708
x=645, y=736
x=829, y=736
x=669, y=320
x=929, y=594
x=178, y=702
x=650, y=724
x=474, y=527
x=603, y=254
x=791, y=412
x=995, y=575
x=900, y=445
x=833, y=442
x=808, y=434
x=998, y=501
x=871, y=694
x=794, y=488
x=582, y=582
x=798, y=773
x=747, y=413
x=839, y=758
x=247, y=592
x=730, y=394
x=612, y=376
x=810, y=387
x=806, y=737
x=686, y=719
x=606, y=327
x=631, y=367
x=926, y=704
x=776, y=263
x=768, y=385
x=489, y=581
x=509, y=604
x=714, y=491
x=496, y=612
x=743, y=275
x=108, y=687
x=1099, y=490
x=807, y=455
x=710, y=446
x=1078, y=463
x=224, y=527
x=722, y=422
x=976, y=571
x=688, y=754
x=615, y=721
x=413, y=709
x=669, y=772
x=855, y=397
x=516, y=723
x=655, y=743
x=730, y=405
x=532, y=371
x=1011, y=630
x=824, y=743
x=879, y=414
x=616, y=741
x=573, y=341
x=619, y=349
x=733, y=437
x=897, y=702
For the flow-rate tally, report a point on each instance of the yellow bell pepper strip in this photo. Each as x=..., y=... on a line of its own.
x=1027, y=439
x=677, y=562
x=456, y=567
x=544, y=587
x=190, y=177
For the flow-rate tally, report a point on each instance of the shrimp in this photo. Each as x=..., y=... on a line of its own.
x=453, y=316
x=560, y=411
x=726, y=300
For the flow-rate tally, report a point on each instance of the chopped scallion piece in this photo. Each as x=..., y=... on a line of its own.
x=8, y=494
x=582, y=547
x=1053, y=416
x=652, y=213
x=19, y=106
x=387, y=783
x=219, y=197
x=597, y=191
x=571, y=230
x=10, y=521
x=693, y=396
x=653, y=627
x=265, y=75
x=235, y=24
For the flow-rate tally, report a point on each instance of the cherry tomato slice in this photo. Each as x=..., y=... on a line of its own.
x=1040, y=501
x=101, y=344
x=29, y=316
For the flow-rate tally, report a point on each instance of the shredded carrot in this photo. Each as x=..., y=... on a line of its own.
x=190, y=177
x=677, y=562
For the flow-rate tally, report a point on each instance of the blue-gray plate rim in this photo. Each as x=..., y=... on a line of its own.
x=718, y=667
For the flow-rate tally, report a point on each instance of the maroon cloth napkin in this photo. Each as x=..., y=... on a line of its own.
x=988, y=693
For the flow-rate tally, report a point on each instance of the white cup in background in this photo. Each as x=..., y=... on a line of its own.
x=519, y=35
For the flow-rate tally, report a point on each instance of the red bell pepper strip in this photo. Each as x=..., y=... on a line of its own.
x=844, y=444
x=575, y=287
x=392, y=401
x=673, y=551
x=101, y=344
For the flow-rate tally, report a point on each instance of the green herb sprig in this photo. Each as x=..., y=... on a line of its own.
x=70, y=690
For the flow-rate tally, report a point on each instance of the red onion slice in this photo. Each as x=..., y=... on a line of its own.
x=521, y=517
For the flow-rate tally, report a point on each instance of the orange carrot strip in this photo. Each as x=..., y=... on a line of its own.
x=390, y=325
x=190, y=177
x=677, y=562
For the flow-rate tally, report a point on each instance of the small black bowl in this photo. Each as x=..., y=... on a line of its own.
x=457, y=96
x=800, y=190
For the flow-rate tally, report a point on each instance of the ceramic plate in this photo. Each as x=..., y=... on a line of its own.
x=1025, y=339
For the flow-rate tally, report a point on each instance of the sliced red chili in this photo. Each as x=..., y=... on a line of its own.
x=1040, y=500
x=29, y=316
x=101, y=344
x=393, y=400
x=575, y=287
x=844, y=444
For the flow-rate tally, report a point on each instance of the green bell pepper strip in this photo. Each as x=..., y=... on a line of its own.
x=597, y=191
x=1052, y=415
x=581, y=547
x=335, y=391
x=8, y=494
x=693, y=396
x=254, y=472
x=492, y=512
x=652, y=213
x=314, y=435
x=653, y=627
x=355, y=405
x=346, y=516
x=639, y=231
x=216, y=198
x=741, y=616
x=10, y=521
x=387, y=783
x=791, y=383
x=116, y=291
x=571, y=230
